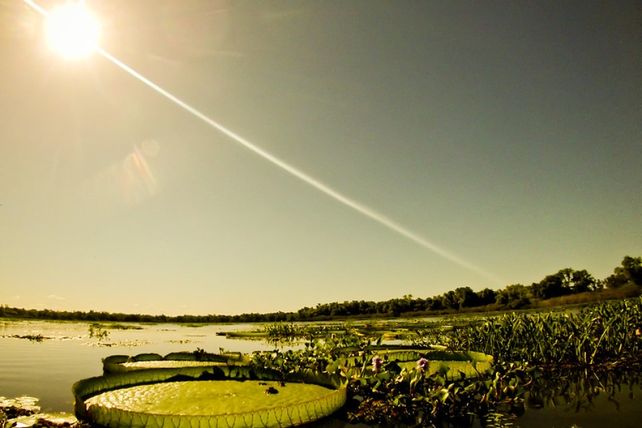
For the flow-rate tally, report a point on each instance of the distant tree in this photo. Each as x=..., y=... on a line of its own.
x=514, y=296
x=582, y=281
x=628, y=273
x=305, y=313
x=565, y=281
x=486, y=296
x=395, y=307
x=435, y=304
x=554, y=285
x=466, y=297
x=449, y=300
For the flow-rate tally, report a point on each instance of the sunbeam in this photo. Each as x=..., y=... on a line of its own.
x=334, y=194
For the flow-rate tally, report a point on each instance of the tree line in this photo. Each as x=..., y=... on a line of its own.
x=628, y=275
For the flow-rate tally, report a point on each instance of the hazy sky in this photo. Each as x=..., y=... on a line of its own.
x=507, y=133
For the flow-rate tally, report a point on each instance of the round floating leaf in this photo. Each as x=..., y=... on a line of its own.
x=125, y=363
x=183, y=397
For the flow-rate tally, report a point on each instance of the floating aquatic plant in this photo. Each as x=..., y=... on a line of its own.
x=107, y=400
x=198, y=358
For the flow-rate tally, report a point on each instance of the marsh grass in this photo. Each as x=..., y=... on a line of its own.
x=595, y=334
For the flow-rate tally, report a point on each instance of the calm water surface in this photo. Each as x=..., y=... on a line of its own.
x=48, y=369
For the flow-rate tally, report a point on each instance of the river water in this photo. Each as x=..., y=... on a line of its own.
x=48, y=368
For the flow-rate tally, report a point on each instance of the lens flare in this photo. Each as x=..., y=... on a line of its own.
x=72, y=31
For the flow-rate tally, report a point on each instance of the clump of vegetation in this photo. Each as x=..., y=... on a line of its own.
x=98, y=331
x=287, y=332
x=199, y=354
x=384, y=391
x=391, y=397
x=117, y=326
x=280, y=331
x=31, y=337
x=597, y=334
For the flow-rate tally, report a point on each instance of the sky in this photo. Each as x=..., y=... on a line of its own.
x=506, y=134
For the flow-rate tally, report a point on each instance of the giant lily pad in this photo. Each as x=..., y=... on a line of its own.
x=125, y=363
x=243, y=403
x=216, y=396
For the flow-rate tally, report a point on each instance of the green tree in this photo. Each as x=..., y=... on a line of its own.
x=514, y=296
x=628, y=273
x=582, y=281
x=466, y=297
x=449, y=300
x=558, y=284
x=487, y=296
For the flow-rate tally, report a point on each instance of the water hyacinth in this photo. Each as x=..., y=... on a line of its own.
x=422, y=364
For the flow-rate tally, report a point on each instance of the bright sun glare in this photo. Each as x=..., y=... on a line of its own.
x=72, y=31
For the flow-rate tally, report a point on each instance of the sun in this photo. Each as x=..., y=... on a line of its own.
x=72, y=31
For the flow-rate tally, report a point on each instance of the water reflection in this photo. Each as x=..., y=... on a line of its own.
x=577, y=390
x=564, y=398
x=585, y=398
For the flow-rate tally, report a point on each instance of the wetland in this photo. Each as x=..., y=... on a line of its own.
x=564, y=368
